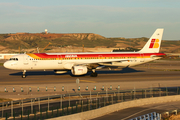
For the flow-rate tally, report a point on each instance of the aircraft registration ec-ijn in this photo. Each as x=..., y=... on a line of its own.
x=81, y=63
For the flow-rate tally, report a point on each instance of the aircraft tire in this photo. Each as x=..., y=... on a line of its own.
x=93, y=74
x=23, y=76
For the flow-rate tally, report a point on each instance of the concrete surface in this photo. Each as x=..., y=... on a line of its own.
x=156, y=74
x=119, y=106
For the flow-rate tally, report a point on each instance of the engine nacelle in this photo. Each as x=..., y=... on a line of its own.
x=79, y=70
x=60, y=71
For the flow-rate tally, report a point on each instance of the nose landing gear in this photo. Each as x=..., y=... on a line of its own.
x=24, y=74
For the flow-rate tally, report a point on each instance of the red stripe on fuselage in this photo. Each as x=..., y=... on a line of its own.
x=44, y=55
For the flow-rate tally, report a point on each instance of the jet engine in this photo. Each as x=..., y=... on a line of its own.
x=60, y=71
x=79, y=70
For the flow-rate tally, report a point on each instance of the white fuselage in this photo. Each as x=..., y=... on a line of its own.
x=65, y=61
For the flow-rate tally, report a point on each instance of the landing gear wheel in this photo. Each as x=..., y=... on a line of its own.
x=23, y=76
x=93, y=74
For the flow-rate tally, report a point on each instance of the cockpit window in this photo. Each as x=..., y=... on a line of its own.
x=15, y=59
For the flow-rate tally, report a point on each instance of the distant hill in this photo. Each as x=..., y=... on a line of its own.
x=11, y=42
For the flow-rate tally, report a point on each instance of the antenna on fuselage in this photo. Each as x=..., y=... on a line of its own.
x=37, y=49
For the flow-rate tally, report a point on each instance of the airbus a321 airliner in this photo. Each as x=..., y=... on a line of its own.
x=81, y=63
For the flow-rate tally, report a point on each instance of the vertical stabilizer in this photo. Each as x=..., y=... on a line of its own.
x=154, y=43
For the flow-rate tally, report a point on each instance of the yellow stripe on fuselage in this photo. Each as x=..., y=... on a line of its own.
x=33, y=55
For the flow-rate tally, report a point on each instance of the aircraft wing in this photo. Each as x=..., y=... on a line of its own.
x=95, y=65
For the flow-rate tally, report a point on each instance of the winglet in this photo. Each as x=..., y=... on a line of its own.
x=154, y=43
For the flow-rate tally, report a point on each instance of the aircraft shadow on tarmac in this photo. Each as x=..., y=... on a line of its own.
x=32, y=73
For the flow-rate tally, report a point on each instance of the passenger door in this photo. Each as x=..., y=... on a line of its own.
x=26, y=62
x=142, y=57
x=59, y=59
x=100, y=57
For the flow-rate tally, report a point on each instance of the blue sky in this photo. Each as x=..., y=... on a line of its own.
x=109, y=18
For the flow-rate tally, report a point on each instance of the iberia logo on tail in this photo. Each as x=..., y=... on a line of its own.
x=154, y=43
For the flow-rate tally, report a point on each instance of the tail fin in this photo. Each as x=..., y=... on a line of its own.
x=154, y=43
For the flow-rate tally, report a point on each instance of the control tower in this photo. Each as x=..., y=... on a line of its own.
x=46, y=31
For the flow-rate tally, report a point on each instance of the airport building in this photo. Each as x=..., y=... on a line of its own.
x=6, y=56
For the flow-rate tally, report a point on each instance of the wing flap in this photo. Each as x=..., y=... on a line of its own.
x=97, y=64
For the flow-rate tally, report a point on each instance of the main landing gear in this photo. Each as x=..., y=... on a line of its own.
x=24, y=74
x=94, y=73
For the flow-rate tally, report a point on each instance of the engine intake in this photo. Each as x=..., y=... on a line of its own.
x=79, y=70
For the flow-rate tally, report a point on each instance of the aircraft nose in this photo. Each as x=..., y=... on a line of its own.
x=6, y=65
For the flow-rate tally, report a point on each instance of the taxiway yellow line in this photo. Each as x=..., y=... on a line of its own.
x=88, y=81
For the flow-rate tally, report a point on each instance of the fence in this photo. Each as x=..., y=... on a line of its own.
x=66, y=104
x=149, y=116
